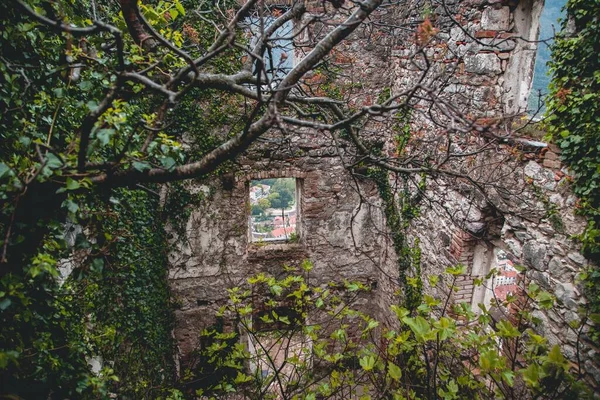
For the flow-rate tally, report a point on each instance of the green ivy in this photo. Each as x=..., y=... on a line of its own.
x=400, y=208
x=128, y=296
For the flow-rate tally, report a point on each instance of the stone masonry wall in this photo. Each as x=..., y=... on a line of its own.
x=481, y=61
x=339, y=228
x=478, y=59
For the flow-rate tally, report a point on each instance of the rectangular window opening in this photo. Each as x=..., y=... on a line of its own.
x=273, y=210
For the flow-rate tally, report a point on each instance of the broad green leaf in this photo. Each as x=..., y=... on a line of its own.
x=179, y=7
x=141, y=166
x=457, y=270
x=420, y=328
x=372, y=324
x=446, y=328
x=556, y=357
x=4, y=169
x=532, y=375
x=367, y=363
x=490, y=360
x=508, y=377
x=545, y=300
x=394, y=371
x=507, y=330
x=71, y=184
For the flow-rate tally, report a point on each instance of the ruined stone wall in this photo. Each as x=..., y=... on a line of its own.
x=339, y=231
x=477, y=60
x=480, y=60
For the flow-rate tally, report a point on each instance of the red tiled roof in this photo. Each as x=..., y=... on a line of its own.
x=282, y=231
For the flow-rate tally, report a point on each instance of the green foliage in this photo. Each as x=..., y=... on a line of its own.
x=130, y=297
x=287, y=338
x=115, y=305
x=283, y=193
x=400, y=208
x=574, y=120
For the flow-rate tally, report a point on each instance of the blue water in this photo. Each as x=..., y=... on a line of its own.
x=549, y=26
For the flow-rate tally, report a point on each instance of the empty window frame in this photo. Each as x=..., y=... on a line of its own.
x=274, y=211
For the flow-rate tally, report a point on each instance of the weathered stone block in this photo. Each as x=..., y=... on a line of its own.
x=534, y=255
x=495, y=19
x=550, y=155
x=483, y=64
x=556, y=267
x=576, y=258
x=534, y=171
x=566, y=294
x=498, y=44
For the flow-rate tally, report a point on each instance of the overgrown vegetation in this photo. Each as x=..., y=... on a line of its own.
x=289, y=339
x=83, y=262
x=84, y=305
x=574, y=122
x=401, y=207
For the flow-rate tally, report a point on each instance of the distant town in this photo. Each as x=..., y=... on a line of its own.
x=273, y=209
x=505, y=283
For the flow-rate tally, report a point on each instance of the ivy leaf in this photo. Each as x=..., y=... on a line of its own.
x=141, y=166
x=367, y=363
x=70, y=205
x=52, y=161
x=5, y=303
x=97, y=265
x=4, y=169
x=394, y=371
x=71, y=184
x=104, y=135
x=168, y=162
x=85, y=85
x=420, y=327
x=6, y=356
